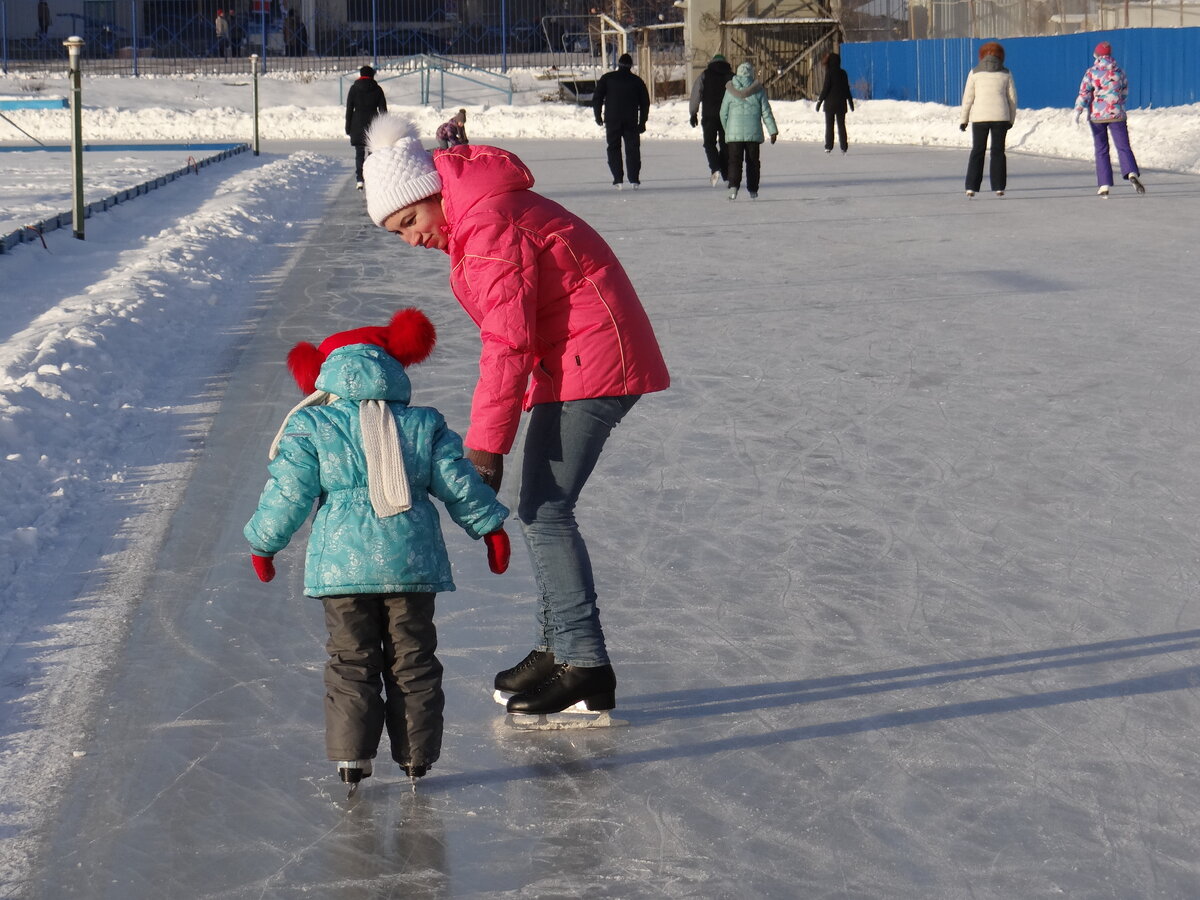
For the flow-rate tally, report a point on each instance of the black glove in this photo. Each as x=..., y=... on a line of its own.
x=599, y=121
x=851, y=106
x=962, y=126
x=818, y=106
x=642, y=128
x=695, y=121
x=774, y=137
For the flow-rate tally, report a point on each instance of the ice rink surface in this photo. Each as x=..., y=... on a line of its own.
x=899, y=578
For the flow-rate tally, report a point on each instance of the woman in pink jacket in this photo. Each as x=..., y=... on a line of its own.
x=564, y=336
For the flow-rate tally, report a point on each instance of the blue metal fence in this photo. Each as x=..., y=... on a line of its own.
x=1160, y=63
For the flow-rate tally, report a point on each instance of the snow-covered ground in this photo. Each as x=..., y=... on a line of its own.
x=812, y=538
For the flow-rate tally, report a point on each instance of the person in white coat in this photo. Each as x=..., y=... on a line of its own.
x=989, y=106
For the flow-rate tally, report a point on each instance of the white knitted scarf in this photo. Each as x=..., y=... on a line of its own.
x=387, y=480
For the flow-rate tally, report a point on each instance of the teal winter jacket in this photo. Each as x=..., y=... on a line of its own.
x=746, y=107
x=321, y=460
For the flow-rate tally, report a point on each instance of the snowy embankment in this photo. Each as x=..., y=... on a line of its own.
x=89, y=379
x=106, y=385
x=1164, y=138
x=295, y=109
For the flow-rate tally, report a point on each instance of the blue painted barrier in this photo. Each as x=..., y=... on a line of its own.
x=43, y=103
x=125, y=148
x=1160, y=63
x=31, y=233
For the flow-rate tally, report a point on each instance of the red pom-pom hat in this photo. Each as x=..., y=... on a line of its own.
x=408, y=338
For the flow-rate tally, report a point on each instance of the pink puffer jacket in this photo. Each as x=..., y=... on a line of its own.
x=549, y=296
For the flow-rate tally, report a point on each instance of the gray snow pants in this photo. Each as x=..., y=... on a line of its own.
x=383, y=644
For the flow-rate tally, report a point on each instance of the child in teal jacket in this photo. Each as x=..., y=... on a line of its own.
x=376, y=556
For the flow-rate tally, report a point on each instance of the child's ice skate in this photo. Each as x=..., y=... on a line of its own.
x=414, y=772
x=353, y=771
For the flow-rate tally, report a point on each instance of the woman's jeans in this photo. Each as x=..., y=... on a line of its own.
x=1120, y=139
x=562, y=446
x=998, y=171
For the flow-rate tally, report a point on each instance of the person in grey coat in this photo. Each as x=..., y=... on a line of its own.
x=744, y=111
x=835, y=95
x=364, y=101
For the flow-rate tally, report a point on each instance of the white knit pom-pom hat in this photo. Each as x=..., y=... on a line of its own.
x=399, y=170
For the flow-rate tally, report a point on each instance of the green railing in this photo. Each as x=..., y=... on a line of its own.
x=433, y=72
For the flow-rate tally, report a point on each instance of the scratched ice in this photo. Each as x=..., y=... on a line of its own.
x=899, y=577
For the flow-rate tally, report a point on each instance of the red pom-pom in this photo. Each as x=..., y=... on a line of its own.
x=410, y=336
x=304, y=360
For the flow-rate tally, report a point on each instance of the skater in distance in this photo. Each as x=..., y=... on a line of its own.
x=744, y=111
x=376, y=557
x=704, y=107
x=989, y=106
x=621, y=103
x=364, y=101
x=453, y=131
x=836, y=97
x=1102, y=94
x=564, y=336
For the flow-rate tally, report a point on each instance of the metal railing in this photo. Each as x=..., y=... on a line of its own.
x=167, y=37
x=433, y=72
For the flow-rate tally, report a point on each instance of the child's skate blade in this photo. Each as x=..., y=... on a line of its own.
x=561, y=721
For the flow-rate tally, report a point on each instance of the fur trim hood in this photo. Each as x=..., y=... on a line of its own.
x=744, y=83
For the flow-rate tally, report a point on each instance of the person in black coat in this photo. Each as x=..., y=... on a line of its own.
x=364, y=101
x=622, y=103
x=705, y=107
x=835, y=95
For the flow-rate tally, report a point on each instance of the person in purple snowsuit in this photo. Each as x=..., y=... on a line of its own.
x=453, y=133
x=1102, y=93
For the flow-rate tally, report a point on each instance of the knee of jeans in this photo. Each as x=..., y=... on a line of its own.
x=545, y=516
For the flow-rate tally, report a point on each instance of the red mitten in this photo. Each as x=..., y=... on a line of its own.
x=264, y=566
x=499, y=550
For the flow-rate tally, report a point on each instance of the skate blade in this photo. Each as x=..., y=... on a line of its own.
x=562, y=721
x=579, y=708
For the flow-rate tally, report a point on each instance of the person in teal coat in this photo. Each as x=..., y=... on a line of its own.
x=744, y=112
x=376, y=557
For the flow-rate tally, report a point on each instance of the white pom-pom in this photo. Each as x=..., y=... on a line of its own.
x=388, y=130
